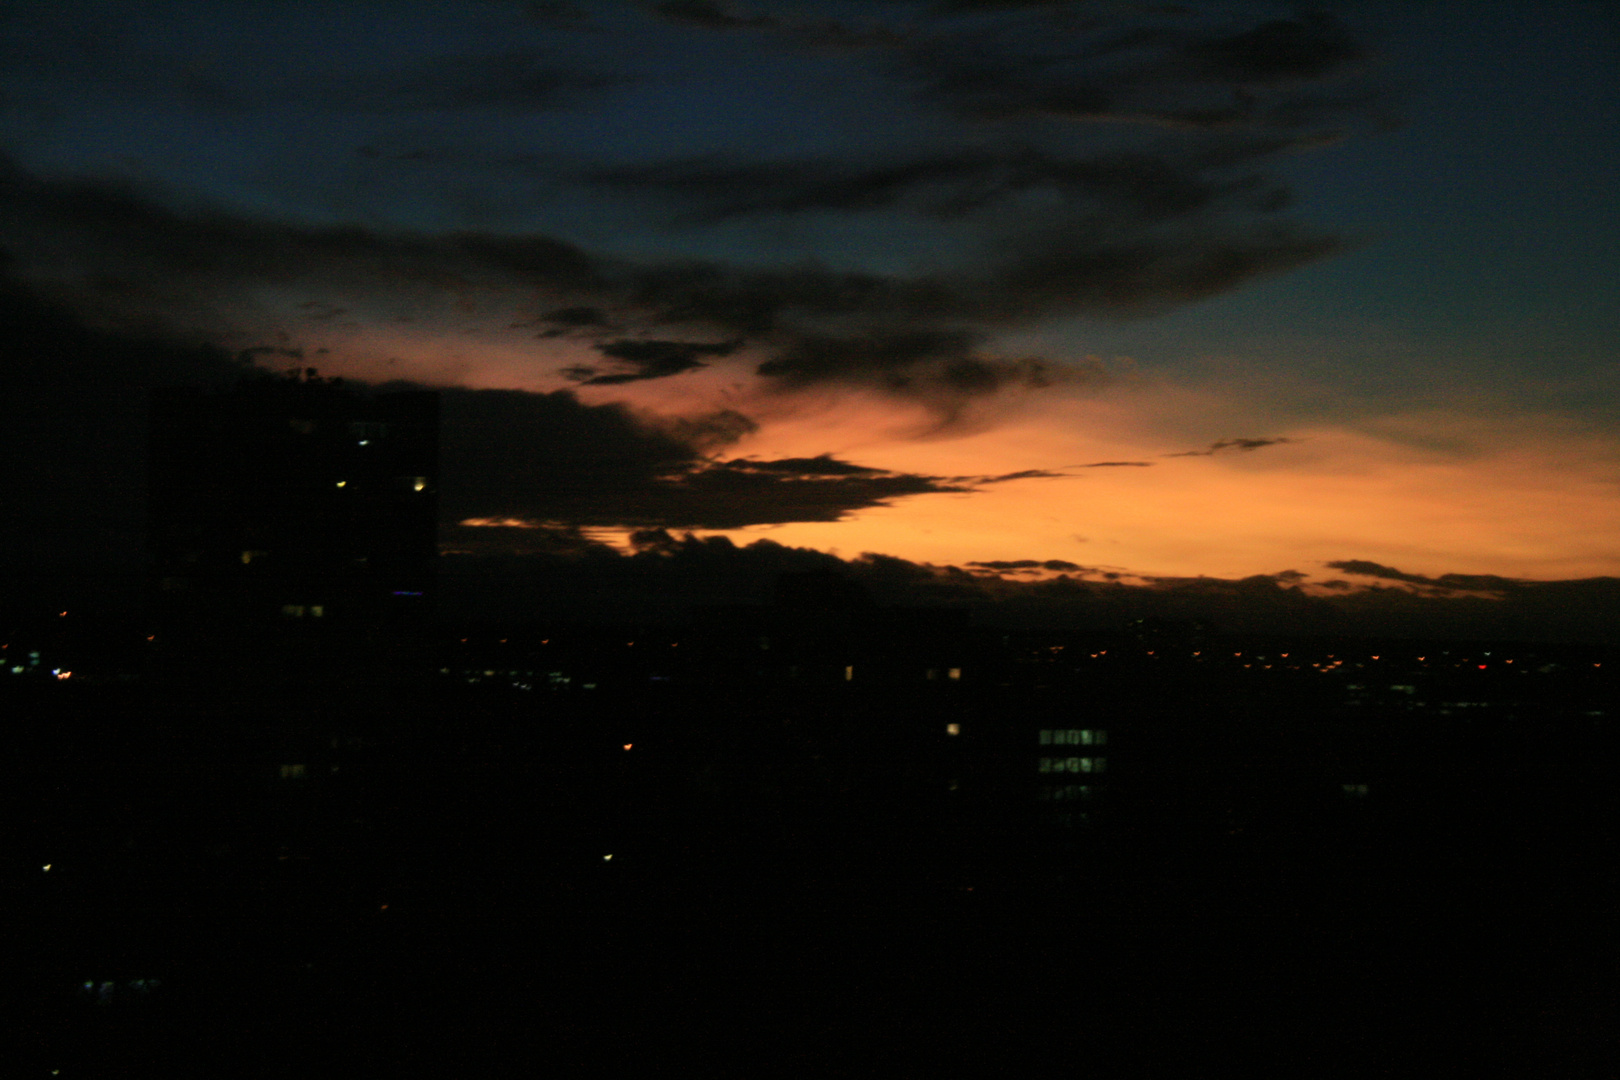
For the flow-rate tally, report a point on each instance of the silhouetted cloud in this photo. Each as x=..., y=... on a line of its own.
x=579, y=315
x=132, y=261
x=1115, y=465
x=821, y=465
x=1022, y=474
x=650, y=360
x=669, y=574
x=1484, y=583
x=938, y=365
x=538, y=459
x=1240, y=445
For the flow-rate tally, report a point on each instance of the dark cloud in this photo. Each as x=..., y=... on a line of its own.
x=580, y=315
x=821, y=465
x=1037, y=223
x=713, y=15
x=1239, y=445
x=135, y=262
x=723, y=496
x=1032, y=566
x=550, y=458
x=932, y=364
x=1372, y=569
x=499, y=82
x=1114, y=465
x=1282, y=50
x=1481, y=583
x=831, y=34
x=559, y=13
x=650, y=360
x=956, y=7
x=1140, y=185
x=1022, y=474
x=670, y=574
x=1142, y=66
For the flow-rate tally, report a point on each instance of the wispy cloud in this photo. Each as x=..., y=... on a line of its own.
x=1237, y=445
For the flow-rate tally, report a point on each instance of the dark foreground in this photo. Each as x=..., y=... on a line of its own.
x=365, y=881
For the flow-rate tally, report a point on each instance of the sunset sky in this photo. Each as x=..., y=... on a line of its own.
x=1143, y=291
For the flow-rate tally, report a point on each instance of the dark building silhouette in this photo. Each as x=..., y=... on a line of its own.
x=292, y=500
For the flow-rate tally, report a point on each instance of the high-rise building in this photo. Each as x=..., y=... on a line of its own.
x=292, y=499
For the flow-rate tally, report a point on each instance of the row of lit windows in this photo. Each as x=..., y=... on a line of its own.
x=1064, y=792
x=1073, y=765
x=1073, y=737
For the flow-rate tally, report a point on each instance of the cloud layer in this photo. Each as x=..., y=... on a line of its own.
x=1052, y=161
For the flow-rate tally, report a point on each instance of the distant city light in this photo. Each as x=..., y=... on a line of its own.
x=420, y=484
x=342, y=483
x=628, y=745
x=607, y=858
x=365, y=442
x=953, y=729
x=47, y=867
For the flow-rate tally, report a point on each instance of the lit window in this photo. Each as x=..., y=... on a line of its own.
x=954, y=673
x=293, y=611
x=1072, y=765
x=293, y=772
x=849, y=674
x=419, y=483
x=318, y=610
x=953, y=729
